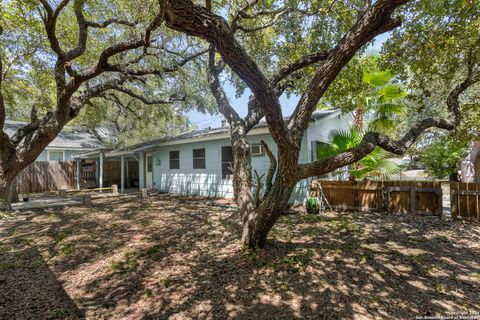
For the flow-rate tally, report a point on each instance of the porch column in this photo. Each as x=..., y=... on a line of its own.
x=100, y=177
x=96, y=172
x=78, y=174
x=141, y=169
x=122, y=174
x=127, y=174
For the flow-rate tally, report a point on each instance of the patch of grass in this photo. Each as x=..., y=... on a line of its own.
x=147, y=224
x=427, y=271
x=311, y=218
x=115, y=265
x=258, y=260
x=66, y=249
x=297, y=260
x=7, y=265
x=165, y=281
x=131, y=259
x=366, y=256
x=4, y=214
x=417, y=258
x=51, y=214
x=24, y=241
x=61, y=313
x=153, y=250
x=148, y=294
x=60, y=236
x=280, y=234
x=439, y=287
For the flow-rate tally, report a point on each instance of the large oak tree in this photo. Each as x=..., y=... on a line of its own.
x=57, y=57
x=374, y=18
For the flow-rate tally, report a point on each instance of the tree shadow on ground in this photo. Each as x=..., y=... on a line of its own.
x=180, y=257
x=29, y=289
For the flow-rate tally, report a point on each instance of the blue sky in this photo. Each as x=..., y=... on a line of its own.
x=240, y=104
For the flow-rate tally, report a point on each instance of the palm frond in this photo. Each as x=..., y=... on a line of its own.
x=390, y=92
x=389, y=109
x=381, y=124
x=377, y=78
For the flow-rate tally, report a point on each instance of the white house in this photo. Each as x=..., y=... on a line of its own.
x=69, y=142
x=198, y=162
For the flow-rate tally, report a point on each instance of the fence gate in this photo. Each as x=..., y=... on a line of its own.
x=421, y=198
x=465, y=201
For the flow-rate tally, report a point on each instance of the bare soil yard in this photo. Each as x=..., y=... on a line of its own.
x=173, y=257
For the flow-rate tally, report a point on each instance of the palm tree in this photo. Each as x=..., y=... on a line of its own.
x=375, y=165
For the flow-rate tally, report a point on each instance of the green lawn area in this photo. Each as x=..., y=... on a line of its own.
x=180, y=258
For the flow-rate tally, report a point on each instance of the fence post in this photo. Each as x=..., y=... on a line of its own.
x=114, y=189
x=143, y=193
x=62, y=192
x=87, y=199
x=453, y=199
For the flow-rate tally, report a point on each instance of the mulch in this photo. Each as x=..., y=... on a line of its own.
x=174, y=257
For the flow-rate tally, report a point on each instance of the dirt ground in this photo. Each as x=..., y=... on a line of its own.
x=180, y=258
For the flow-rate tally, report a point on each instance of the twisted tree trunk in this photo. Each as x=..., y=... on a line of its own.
x=8, y=192
x=258, y=220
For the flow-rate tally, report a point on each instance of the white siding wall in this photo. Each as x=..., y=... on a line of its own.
x=209, y=182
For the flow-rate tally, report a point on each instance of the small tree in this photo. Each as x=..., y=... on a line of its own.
x=443, y=157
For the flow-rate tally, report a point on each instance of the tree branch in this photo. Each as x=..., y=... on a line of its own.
x=219, y=94
x=271, y=170
x=299, y=64
x=399, y=147
x=376, y=20
x=184, y=16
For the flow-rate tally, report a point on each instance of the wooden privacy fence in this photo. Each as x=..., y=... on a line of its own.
x=44, y=176
x=423, y=198
x=465, y=201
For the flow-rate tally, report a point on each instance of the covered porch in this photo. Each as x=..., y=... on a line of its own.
x=104, y=168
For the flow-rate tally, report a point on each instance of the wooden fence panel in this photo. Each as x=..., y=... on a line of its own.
x=44, y=176
x=397, y=196
x=465, y=201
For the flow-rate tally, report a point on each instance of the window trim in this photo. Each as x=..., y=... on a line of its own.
x=53, y=150
x=204, y=158
x=174, y=159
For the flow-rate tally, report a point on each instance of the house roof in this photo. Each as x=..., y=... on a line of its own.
x=68, y=138
x=204, y=133
x=317, y=115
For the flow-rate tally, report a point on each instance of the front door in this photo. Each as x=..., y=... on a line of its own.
x=149, y=170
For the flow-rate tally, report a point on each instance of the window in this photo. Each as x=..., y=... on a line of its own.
x=149, y=164
x=256, y=150
x=198, y=158
x=227, y=158
x=174, y=159
x=55, y=155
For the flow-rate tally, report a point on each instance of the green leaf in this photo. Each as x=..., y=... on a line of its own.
x=391, y=91
x=377, y=78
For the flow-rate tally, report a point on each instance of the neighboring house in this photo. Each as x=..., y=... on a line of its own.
x=470, y=170
x=69, y=142
x=198, y=162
